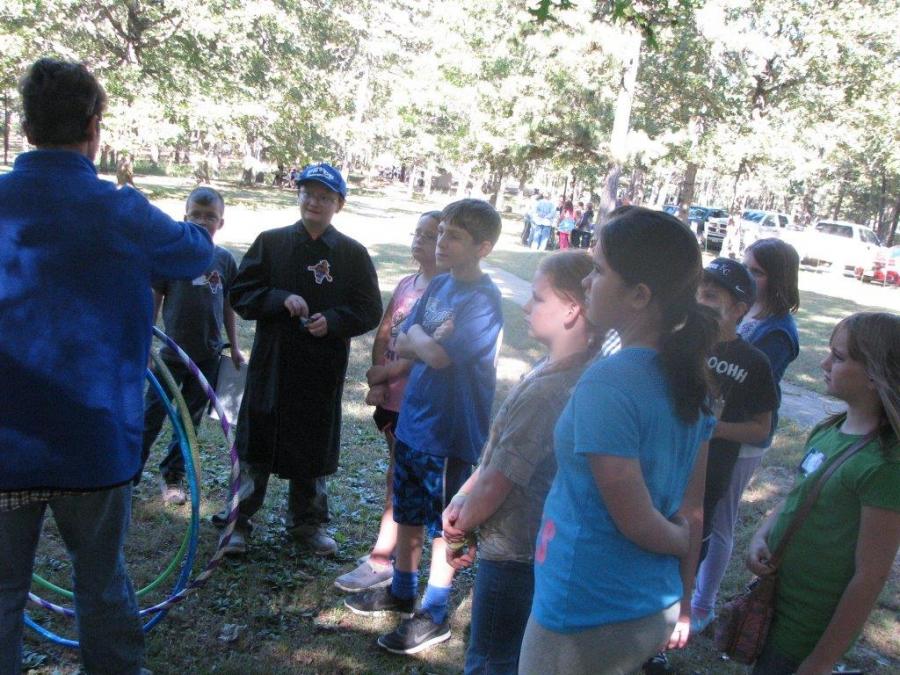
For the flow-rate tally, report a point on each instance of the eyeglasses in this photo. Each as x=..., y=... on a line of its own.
x=327, y=199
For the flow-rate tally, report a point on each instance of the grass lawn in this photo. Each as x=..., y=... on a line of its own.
x=277, y=611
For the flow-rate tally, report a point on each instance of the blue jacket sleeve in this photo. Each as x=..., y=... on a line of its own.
x=174, y=250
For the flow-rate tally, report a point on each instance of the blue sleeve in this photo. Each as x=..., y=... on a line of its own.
x=779, y=350
x=606, y=420
x=174, y=250
x=476, y=327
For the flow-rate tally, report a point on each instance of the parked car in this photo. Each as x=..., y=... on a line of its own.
x=756, y=224
x=882, y=268
x=841, y=245
x=709, y=223
x=671, y=209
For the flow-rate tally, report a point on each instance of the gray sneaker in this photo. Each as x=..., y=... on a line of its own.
x=237, y=545
x=317, y=541
x=364, y=577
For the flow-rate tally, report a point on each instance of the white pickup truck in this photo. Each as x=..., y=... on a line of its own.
x=754, y=224
x=841, y=245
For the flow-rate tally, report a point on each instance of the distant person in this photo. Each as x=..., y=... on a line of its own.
x=310, y=289
x=565, y=223
x=542, y=219
x=194, y=313
x=500, y=506
x=387, y=381
x=527, y=222
x=835, y=566
x=453, y=337
x=78, y=257
x=768, y=326
x=584, y=228
x=620, y=532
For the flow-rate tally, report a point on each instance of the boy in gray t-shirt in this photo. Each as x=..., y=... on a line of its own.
x=194, y=312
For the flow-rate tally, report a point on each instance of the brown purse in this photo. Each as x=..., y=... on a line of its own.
x=743, y=624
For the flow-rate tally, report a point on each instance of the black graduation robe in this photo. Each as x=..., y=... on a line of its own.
x=290, y=416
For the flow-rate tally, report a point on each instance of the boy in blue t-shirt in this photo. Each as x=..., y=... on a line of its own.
x=194, y=311
x=452, y=336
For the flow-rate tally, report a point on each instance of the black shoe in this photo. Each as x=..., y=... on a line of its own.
x=415, y=634
x=220, y=519
x=381, y=601
x=658, y=665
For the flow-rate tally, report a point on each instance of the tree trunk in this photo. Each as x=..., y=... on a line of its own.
x=636, y=190
x=836, y=211
x=891, y=237
x=413, y=177
x=608, y=196
x=686, y=194
x=499, y=194
x=882, y=197
x=737, y=180
x=464, y=178
x=6, y=114
x=618, y=141
x=104, y=159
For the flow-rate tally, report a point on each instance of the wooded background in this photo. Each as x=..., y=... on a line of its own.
x=792, y=105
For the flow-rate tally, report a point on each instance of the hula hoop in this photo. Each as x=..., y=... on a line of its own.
x=233, y=502
x=193, y=532
x=178, y=430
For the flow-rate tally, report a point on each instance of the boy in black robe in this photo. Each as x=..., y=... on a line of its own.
x=310, y=289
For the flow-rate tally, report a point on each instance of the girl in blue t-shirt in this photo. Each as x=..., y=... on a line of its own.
x=769, y=326
x=835, y=565
x=620, y=531
x=504, y=497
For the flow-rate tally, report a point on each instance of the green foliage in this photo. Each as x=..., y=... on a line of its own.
x=788, y=104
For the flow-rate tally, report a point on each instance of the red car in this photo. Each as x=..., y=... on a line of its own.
x=884, y=268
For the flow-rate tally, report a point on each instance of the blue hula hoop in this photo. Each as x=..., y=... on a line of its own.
x=193, y=542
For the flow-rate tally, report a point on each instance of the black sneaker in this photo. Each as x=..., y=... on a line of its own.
x=658, y=665
x=381, y=601
x=415, y=634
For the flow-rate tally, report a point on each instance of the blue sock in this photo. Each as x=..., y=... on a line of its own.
x=435, y=602
x=404, y=584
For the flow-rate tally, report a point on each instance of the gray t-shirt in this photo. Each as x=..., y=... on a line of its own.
x=520, y=446
x=193, y=310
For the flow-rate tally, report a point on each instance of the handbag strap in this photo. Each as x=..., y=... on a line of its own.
x=813, y=494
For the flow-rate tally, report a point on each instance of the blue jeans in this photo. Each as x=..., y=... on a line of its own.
x=501, y=603
x=93, y=526
x=540, y=235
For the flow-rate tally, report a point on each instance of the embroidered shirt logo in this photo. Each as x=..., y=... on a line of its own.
x=213, y=280
x=322, y=270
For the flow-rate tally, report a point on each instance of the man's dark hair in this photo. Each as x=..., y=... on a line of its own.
x=205, y=196
x=59, y=98
x=476, y=217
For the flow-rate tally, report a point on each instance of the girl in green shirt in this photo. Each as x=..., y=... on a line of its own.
x=837, y=562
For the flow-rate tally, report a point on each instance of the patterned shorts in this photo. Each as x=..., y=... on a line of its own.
x=423, y=486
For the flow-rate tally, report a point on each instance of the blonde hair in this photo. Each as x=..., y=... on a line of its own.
x=566, y=271
x=873, y=339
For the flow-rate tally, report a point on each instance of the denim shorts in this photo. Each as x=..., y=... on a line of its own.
x=423, y=486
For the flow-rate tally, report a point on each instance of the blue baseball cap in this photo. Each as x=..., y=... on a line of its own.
x=733, y=277
x=325, y=174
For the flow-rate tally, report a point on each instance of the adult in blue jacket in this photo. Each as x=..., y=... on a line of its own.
x=76, y=260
